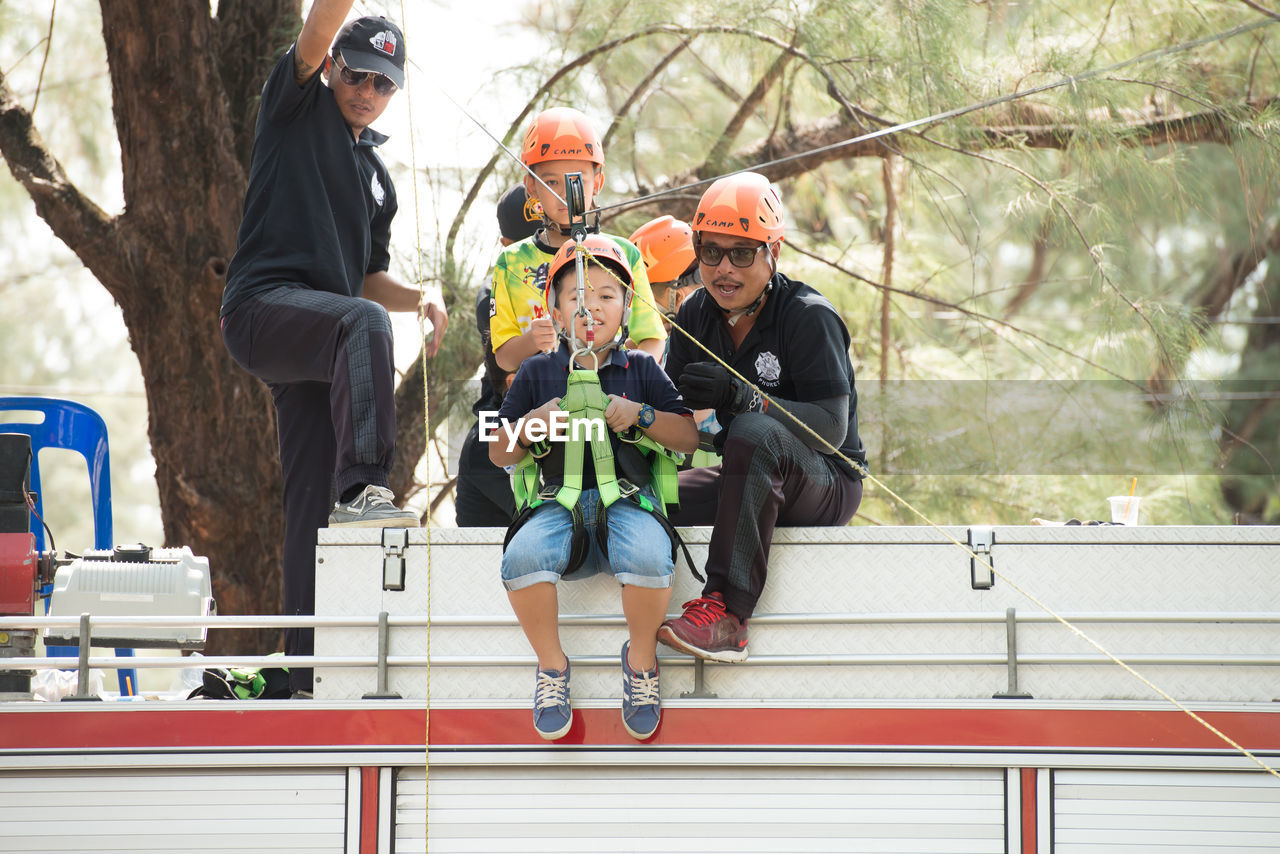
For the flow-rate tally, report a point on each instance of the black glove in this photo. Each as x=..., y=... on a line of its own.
x=708, y=385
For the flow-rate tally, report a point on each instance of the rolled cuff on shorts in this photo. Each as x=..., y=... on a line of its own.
x=639, y=548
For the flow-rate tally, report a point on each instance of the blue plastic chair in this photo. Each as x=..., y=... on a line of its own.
x=70, y=426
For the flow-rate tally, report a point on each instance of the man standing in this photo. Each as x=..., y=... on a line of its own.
x=307, y=293
x=787, y=340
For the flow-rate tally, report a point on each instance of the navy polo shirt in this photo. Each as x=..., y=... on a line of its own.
x=798, y=350
x=320, y=202
x=632, y=374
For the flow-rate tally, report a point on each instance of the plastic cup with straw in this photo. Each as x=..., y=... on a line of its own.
x=1124, y=508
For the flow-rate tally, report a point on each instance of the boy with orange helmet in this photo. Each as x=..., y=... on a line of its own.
x=559, y=141
x=666, y=245
x=786, y=339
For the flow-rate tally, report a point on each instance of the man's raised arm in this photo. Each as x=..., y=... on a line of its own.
x=323, y=22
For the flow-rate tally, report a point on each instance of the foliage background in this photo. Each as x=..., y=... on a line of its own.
x=1053, y=261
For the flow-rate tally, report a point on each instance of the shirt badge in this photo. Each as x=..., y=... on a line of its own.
x=379, y=194
x=768, y=368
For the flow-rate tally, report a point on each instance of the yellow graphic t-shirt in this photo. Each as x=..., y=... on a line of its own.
x=518, y=298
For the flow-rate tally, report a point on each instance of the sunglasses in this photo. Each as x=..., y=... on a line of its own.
x=739, y=256
x=382, y=84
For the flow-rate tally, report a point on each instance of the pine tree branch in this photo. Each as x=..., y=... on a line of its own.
x=1234, y=440
x=584, y=59
x=641, y=89
x=1258, y=7
x=967, y=312
x=1209, y=126
x=1095, y=252
x=75, y=219
x=715, y=160
x=1035, y=275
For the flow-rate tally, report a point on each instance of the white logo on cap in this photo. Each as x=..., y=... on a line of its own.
x=379, y=194
x=385, y=41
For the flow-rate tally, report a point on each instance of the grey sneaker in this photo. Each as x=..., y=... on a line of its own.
x=552, y=711
x=372, y=508
x=641, y=699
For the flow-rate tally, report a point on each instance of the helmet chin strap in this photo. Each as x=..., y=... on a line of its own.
x=732, y=317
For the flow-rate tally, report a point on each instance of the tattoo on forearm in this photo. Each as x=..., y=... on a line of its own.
x=302, y=70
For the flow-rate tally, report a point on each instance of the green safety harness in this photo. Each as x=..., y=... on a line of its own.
x=553, y=472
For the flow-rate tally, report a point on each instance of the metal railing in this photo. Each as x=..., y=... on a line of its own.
x=378, y=656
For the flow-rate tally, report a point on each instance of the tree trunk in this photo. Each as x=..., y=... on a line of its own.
x=211, y=425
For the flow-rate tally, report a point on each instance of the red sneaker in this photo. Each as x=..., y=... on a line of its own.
x=706, y=630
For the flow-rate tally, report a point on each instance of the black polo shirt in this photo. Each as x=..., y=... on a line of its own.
x=632, y=374
x=798, y=350
x=319, y=206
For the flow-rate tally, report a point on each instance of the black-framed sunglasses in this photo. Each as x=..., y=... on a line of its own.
x=382, y=84
x=739, y=256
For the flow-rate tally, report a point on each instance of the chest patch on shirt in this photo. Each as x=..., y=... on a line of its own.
x=375, y=186
x=768, y=368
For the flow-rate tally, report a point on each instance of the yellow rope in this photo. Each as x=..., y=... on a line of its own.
x=426, y=429
x=861, y=469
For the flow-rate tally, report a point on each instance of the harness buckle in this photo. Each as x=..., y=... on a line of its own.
x=631, y=435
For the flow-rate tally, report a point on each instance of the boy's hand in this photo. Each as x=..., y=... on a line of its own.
x=543, y=333
x=621, y=414
x=543, y=415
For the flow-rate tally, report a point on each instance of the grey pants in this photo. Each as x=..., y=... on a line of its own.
x=328, y=362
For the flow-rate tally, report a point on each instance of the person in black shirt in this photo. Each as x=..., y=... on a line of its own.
x=483, y=497
x=788, y=341
x=307, y=293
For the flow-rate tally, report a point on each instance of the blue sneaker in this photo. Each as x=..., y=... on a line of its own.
x=552, y=714
x=641, y=700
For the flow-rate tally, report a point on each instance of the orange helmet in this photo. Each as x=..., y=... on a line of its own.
x=666, y=244
x=606, y=253
x=561, y=133
x=742, y=205
x=600, y=250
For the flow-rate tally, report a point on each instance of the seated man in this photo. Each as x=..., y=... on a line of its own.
x=788, y=341
x=590, y=511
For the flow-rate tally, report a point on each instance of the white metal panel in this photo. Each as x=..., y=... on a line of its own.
x=701, y=809
x=1013, y=810
x=1044, y=810
x=1153, y=570
x=1174, y=812
x=355, y=798
x=197, y=810
x=386, y=785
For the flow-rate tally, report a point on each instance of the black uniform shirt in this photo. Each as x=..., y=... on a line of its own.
x=798, y=350
x=319, y=207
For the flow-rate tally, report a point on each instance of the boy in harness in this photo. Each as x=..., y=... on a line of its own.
x=594, y=503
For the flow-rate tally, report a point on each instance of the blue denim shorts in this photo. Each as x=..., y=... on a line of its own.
x=639, y=548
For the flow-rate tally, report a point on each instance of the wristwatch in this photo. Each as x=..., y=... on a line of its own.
x=646, y=416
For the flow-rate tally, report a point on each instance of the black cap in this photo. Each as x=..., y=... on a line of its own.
x=516, y=219
x=372, y=44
